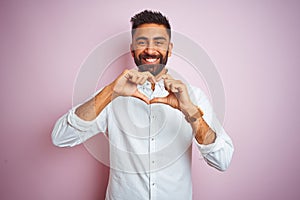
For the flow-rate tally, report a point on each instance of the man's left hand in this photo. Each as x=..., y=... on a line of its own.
x=178, y=97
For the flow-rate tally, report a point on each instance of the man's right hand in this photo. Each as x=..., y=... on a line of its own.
x=126, y=84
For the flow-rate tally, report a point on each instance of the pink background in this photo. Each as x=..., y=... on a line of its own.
x=254, y=44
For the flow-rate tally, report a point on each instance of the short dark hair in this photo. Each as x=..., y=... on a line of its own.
x=150, y=17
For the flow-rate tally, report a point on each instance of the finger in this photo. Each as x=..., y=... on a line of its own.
x=174, y=88
x=143, y=80
x=170, y=100
x=177, y=87
x=128, y=74
x=180, y=89
x=169, y=84
x=150, y=77
x=141, y=96
x=166, y=77
x=159, y=100
x=139, y=78
x=159, y=77
x=134, y=76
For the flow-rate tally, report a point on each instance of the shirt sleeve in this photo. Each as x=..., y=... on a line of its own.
x=70, y=130
x=219, y=153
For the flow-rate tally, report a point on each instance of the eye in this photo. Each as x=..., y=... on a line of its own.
x=141, y=42
x=159, y=42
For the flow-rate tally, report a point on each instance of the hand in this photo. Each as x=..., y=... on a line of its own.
x=178, y=97
x=126, y=84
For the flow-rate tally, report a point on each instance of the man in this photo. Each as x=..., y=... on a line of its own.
x=150, y=119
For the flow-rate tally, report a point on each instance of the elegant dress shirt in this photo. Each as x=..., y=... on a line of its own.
x=150, y=145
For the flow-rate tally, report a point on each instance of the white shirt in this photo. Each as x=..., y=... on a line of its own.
x=150, y=145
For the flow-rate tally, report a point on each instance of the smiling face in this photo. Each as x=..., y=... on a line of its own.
x=151, y=48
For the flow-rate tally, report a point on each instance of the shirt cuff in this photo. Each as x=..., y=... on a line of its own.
x=79, y=123
x=206, y=149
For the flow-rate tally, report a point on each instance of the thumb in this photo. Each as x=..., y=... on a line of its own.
x=170, y=100
x=141, y=96
x=159, y=100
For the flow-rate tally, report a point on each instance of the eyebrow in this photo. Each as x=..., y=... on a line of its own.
x=160, y=38
x=145, y=38
x=141, y=38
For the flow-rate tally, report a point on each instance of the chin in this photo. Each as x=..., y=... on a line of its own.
x=153, y=69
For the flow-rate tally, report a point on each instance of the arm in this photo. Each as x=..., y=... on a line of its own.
x=88, y=119
x=211, y=139
x=214, y=144
x=71, y=130
x=92, y=108
x=124, y=85
x=203, y=133
x=79, y=124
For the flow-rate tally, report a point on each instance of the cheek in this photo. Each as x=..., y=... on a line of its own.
x=165, y=55
x=136, y=53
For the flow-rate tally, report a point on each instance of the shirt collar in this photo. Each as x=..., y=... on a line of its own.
x=159, y=90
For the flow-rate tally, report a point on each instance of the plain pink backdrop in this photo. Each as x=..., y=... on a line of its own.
x=255, y=46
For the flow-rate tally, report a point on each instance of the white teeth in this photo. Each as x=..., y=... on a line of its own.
x=151, y=60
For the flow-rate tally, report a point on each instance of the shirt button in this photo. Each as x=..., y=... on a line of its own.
x=153, y=184
x=152, y=139
x=153, y=161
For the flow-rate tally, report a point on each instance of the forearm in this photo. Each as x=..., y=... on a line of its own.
x=203, y=133
x=91, y=109
x=124, y=85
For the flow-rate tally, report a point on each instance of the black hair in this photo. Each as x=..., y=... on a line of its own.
x=150, y=17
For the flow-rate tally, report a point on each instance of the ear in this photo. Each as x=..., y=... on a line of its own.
x=170, y=49
x=131, y=50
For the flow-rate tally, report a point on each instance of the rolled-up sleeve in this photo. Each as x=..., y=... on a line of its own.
x=70, y=130
x=219, y=153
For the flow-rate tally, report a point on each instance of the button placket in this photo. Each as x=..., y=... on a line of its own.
x=152, y=149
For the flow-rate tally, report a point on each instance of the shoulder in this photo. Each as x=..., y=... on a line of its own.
x=193, y=90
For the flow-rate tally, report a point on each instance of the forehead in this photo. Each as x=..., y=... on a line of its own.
x=151, y=31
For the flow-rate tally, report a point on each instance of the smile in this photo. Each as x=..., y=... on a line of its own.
x=151, y=60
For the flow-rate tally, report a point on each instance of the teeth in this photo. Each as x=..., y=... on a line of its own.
x=151, y=59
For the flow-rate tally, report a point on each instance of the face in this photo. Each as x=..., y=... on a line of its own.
x=151, y=48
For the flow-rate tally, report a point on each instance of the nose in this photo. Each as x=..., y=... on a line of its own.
x=150, y=48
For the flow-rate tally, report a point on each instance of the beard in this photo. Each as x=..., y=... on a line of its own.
x=154, y=69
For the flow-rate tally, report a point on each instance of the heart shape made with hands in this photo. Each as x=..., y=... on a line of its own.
x=170, y=100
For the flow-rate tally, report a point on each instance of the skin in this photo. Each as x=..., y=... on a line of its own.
x=151, y=41
x=150, y=47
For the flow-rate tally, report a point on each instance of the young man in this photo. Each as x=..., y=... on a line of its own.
x=150, y=119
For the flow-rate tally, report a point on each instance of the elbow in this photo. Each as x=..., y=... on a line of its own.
x=221, y=162
x=56, y=141
x=63, y=135
x=59, y=134
x=63, y=139
x=224, y=165
x=62, y=142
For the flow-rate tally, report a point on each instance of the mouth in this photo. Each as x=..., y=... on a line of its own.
x=150, y=60
x=154, y=63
